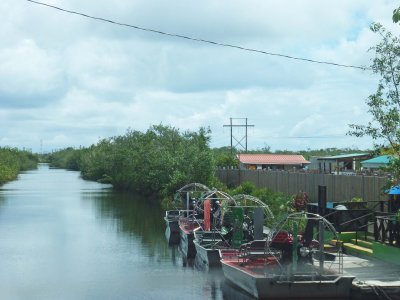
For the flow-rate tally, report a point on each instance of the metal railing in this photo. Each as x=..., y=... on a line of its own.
x=387, y=230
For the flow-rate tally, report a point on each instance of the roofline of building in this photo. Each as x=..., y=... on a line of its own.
x=281, y=163
x=344, y=156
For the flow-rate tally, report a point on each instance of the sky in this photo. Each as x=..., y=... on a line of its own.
x=67, y=80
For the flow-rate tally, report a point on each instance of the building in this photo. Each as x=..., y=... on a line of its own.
x=339, y=164
x=271, y=161
x=376, y=163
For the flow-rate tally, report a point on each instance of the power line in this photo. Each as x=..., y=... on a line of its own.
x=309, y=137
x=201, y=40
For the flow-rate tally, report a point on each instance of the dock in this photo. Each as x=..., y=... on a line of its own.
x=375, y=279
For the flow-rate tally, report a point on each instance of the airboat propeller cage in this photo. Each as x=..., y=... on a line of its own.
x=183, y=194
x=211, y=206
x=200, y=200
x=255, y=203
x=324, y=231
x=261, y=210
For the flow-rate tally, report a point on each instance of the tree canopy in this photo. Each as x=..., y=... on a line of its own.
x=396, y=15
x=12, y=161
x=384, y=104
x=158, y=161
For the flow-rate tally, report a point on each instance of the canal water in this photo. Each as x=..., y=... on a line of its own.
x=62, y=237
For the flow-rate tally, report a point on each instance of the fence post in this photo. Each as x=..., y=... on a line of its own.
x=321, y=200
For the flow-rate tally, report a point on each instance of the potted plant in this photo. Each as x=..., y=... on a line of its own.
x=358, y=203
x=299, y=201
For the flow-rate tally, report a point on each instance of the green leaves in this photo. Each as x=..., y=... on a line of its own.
x=384, y=104
x=12, y=161
x=277, y=202
x=156, y=162
x=375, y=27
x=396, y=15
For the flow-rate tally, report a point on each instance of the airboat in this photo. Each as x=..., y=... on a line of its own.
x=296, y=260
x=172, y=220
x=190, y=219
x=235, y=220
x=209, y=239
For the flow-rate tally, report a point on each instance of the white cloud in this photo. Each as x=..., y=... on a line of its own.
x=28, y=69
x=73, y=80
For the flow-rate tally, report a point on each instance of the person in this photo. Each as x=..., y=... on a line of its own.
x=217, y=214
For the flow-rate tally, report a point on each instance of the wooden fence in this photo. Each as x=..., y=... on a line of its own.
x=339, y=187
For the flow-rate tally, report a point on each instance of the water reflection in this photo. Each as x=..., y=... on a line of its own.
x=2, y=201
x=65, y=238
x=172, y=238
x=133, y=216
x=136, y=217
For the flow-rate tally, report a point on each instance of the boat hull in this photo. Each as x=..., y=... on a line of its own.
x=272, y=287
x=173, y=225
x=173, y=238
x=186, y=244
x=208, y=258
x=172, y=220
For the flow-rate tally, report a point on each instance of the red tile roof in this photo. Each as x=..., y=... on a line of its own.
x=272, y=159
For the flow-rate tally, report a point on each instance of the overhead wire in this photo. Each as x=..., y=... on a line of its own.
x=309, y=137
x=200, y=39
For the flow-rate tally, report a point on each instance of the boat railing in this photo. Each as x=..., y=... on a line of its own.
x=188, y=217
x=212, y=239
x=229, y=254
x=172, y=214
x=185, y=213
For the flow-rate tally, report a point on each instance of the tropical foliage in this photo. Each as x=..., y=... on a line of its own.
x=67, y=158
x=224, y=157
x=278, y=203
x=396, y=15
x=384, y=104
x=156, y=162
x=12, y=161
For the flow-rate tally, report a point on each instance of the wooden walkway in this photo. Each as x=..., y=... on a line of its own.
x=375, y=279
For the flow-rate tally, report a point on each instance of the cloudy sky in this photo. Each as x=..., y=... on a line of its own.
x=67, y=80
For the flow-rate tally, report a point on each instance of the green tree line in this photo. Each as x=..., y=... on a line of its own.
x=13, y=161
x=156, y=162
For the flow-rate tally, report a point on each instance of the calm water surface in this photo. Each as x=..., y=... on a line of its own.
x=65, y=238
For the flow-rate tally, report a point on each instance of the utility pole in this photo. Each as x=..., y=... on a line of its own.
x=238, y=141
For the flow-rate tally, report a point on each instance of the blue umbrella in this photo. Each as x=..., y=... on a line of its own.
x=394, y=190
